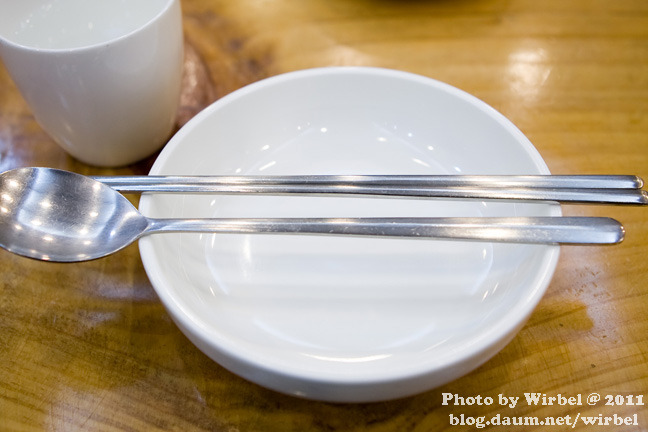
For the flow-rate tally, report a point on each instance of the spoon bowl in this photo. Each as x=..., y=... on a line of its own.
x=56, y=215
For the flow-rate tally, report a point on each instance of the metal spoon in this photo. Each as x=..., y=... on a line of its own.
x=60, y=216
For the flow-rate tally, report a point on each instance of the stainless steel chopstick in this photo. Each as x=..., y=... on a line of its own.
x=616, y=189
x=436, y=181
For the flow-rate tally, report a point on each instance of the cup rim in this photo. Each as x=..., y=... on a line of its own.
x=4, y=40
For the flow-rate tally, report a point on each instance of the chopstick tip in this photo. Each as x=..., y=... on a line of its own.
x=644, y=197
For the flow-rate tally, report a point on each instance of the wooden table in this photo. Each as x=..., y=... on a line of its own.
x=89, y=346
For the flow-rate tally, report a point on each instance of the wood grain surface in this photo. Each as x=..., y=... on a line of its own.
x=89, y=346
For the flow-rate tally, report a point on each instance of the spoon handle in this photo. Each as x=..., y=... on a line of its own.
x=534, y=230
x=573, y=189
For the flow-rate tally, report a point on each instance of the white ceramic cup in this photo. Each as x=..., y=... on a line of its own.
x=101, y=77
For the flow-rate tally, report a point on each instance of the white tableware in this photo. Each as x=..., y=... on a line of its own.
x=101, y=77
x=346, y=319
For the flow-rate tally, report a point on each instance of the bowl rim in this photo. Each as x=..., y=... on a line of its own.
x=499, y=331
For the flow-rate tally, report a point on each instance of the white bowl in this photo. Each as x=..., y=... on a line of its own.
x=338, y=318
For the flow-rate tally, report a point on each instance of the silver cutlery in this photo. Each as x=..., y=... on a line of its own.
x=56, y=215
x=595, y=189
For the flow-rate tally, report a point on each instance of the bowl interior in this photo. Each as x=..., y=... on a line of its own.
x=334, y=308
